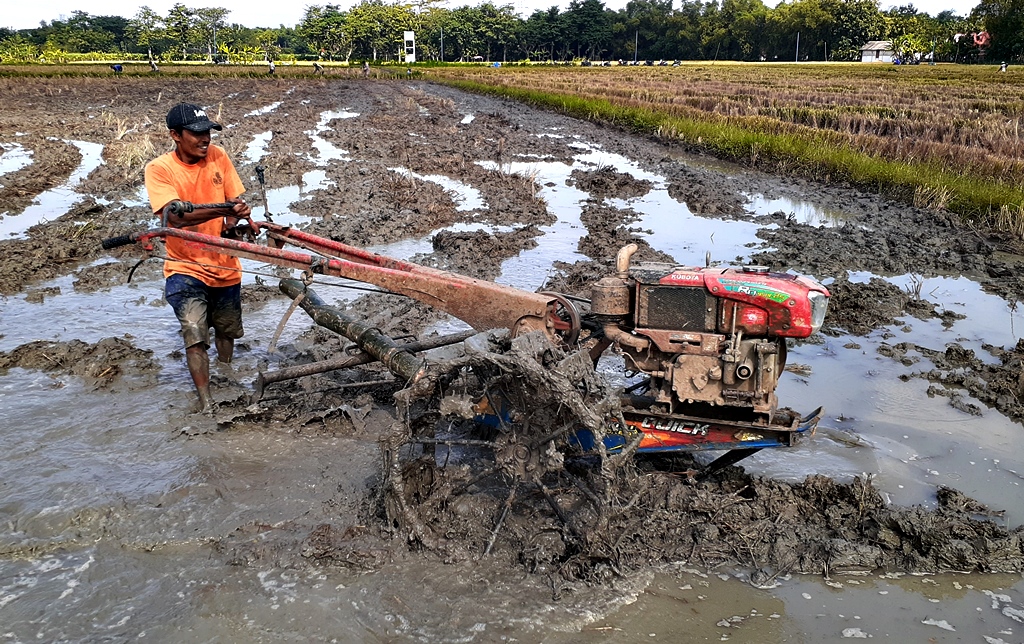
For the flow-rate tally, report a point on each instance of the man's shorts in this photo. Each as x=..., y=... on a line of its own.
x=200, y=307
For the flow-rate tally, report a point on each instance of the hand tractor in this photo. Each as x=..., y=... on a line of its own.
x=701, y=350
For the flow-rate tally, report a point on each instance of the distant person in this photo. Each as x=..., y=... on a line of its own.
x=203, y=287
x=117, y=68
x=272, y=68
x=1003, y=67
x=366, y=69
x=318, y=68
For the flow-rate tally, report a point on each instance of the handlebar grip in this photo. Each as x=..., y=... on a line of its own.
x=116, y=242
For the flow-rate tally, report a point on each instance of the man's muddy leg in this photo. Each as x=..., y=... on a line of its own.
x=225, y=349
x=198, y=361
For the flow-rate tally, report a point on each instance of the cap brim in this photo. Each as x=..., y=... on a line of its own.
x=204, y=126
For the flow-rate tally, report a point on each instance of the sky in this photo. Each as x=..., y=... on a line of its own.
x=27, y=15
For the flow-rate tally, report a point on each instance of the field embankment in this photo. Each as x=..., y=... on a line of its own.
x=943, y=136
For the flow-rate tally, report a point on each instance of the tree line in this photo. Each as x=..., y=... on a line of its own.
x=743, y=30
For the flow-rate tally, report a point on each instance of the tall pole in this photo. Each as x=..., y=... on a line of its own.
x=636, y=45
x=442, y=44
x=797, y=59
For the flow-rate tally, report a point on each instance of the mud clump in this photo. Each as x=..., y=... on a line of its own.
x=53, y=248
x=585, y=516
x=101, y=363
x=607, y=182
x=479, y=254
x=701, y=193
x=774, y=528
x=958, y=370
x=858, y=309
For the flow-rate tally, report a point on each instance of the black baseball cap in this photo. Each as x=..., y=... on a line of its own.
x=190, y=117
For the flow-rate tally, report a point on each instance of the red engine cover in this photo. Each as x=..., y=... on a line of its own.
x=783, y=296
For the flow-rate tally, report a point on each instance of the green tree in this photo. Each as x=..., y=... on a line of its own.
x=589, y=27
x=428, y=22
x=324, y=30
x=376, y=27
x=461, y=40
x=145, y=29
x=640, y=30
x=18, y=48
x=541, y=33
x=735, y=29
x=856, y=22
x=180, y=29
x=207, y=22
x=266, y=40
x=83, y=33
x=684, y=33
x=498, y=28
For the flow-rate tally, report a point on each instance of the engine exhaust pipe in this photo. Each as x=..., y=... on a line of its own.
x=622, y=260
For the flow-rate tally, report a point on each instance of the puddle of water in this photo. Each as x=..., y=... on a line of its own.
x=257, y=148
x=140, y=199
x=266, y=109
x=14, y=158
x=710, y=608
x=327, y=151
x=281, y=199
x=530, y=269
x=55, y=202
x=466, y=198
x=803, y=212
x=676, y=230
x=918, y=442
x=688, y=238
x=330, y=115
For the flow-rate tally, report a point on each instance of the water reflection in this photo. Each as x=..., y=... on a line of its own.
x=804, y=212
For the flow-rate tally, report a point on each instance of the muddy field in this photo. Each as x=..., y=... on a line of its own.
x=128, y=512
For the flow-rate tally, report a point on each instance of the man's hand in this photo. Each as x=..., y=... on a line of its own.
x=242, y=210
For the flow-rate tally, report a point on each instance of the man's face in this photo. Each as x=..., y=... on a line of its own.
x=191, y=146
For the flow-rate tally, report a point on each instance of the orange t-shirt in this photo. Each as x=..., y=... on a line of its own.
x=212, y=180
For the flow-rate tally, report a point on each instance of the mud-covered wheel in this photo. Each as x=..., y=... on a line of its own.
x=567, y=319
x=500, y=470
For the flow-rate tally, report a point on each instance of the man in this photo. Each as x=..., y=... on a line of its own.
x=203, y=288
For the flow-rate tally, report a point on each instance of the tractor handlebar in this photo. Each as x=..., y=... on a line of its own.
x=117, y=242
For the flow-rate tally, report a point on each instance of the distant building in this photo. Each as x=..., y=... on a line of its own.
x=877, y=51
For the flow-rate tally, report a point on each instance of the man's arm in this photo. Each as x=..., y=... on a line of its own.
x=239, y=210
x=233, y=186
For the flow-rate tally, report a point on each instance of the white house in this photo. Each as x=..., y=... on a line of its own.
x=877, y=51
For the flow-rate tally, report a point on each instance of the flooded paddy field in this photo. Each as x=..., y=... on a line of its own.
x=125, y=515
